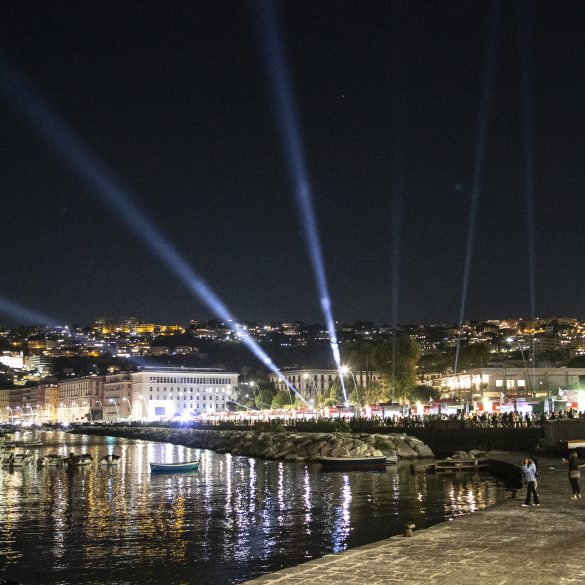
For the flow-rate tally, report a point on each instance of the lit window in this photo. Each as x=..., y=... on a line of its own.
x=499, y=383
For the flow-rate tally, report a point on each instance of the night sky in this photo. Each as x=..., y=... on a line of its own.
x=173, y=99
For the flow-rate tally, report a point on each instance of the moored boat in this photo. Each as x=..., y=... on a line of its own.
x=110, y=459
x=32, y=443
x=50, y=460
x=78, y=460
x=353, y=463
x=170, y=467
x=17, y=458
x=391, y=459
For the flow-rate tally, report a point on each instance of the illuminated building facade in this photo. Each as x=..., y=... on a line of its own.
x=159, y=393
x=490, y=383
x=80, y=398
x=312, y=382
x=117, y=396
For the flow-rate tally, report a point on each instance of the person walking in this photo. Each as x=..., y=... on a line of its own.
x=574, y=474
x=529, y=472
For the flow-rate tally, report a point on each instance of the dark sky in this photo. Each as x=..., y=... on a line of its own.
x=173, y=99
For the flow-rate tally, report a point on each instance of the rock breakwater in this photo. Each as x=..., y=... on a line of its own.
x=289, y=446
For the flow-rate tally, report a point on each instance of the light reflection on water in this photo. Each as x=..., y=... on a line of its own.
x=233, y=520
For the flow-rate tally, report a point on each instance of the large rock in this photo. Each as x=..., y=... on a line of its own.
x=404, y=450
x=423, y=450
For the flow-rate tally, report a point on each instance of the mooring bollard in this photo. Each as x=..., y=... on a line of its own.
x=408, y=528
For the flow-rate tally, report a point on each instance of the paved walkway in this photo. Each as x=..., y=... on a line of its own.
x=505, y=544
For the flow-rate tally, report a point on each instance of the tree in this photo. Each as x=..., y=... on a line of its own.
x=336, y=392
x=281, y=399
x=473, y=355
x=424, y=393
x=264, y=396
x=397, y=360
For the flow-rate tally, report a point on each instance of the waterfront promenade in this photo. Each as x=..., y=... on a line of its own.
x=503, y=545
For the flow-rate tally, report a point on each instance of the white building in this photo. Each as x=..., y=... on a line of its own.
x=167, y=392
x=312, y=382
x=117, y=401
x=493, y=382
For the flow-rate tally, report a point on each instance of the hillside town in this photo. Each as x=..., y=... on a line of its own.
x=72, y=373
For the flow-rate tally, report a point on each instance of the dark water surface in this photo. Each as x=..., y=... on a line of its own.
x=235, y=519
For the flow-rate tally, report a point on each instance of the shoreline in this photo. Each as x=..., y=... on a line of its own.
x=504, y=544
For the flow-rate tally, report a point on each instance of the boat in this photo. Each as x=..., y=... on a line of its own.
x=391, y=459
x=33, y=443
x=353, y=463
x=17, y=458
x=170, y=467
x=50, y=460
x=110, y=459
x=78, y=460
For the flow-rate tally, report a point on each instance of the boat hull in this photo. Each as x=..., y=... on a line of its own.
x=172, y=467
x=353, y=463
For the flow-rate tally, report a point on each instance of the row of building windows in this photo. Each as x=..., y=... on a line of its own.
x=190, y=397
x=180, y=380
x=164, y=389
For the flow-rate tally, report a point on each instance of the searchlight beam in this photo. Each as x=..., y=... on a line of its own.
x=480, y=147
x=48, y=123
x=284, y=106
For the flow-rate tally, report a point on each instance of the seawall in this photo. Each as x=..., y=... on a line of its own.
x=286, y=445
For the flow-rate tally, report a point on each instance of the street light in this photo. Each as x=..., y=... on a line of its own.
x=345, y=370
x=145, y=405
x=27, y=406
x=116, y=405
x=311, y=381
x=129, y=405
x=89, y=409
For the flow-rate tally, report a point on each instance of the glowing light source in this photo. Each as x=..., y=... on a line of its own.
x=46, y=121
x=284, y=106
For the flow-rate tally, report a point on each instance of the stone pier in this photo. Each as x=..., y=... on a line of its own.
x=503, y=545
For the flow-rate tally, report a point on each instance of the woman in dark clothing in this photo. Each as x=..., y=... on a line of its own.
x=574, y=473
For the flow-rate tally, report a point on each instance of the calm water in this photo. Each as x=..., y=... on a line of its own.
x=235, y=519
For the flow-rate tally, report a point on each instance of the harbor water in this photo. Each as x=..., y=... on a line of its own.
x=232, y=520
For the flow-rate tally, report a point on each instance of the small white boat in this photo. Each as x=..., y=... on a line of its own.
x=170, y=467
x=17, y=458
x=50, y=460
x=32, y=443
x=110, y=459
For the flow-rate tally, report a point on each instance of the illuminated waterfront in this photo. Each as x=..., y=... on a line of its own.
x=233, y=520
